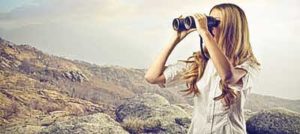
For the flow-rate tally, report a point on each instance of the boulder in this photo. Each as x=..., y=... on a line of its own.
x=274, y=121
x=152, y=113
x=99, y=123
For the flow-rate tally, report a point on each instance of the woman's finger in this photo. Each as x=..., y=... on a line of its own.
x=191, y=30
x=197, y=15
x=201, y=16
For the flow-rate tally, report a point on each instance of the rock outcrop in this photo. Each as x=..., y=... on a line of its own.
x=274, y=121
x=151, y=113
x=96, y=123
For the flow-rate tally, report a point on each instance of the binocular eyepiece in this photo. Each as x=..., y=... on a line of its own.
x=182, y=24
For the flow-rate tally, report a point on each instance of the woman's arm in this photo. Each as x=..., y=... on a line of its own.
x=224, y=67
x=154, y=74
x=155, y=71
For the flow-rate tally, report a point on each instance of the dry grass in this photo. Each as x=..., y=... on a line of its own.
x=136, y=125
x=10, y=111
x=44, y=107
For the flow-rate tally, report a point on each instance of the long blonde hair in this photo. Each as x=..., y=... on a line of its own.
x=233, y=40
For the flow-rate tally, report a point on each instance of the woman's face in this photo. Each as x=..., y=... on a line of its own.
x=216, y=14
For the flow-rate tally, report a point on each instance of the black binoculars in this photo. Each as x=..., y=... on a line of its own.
x=182, y=24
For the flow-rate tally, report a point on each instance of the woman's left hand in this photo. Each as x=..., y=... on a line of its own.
x=201, y=23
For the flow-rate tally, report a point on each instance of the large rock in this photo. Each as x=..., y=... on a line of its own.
x=97, y=123
x=274, y=121
x=22, y=129
x=152, y=113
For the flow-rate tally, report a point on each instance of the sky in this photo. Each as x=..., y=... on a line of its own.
x=131, y=33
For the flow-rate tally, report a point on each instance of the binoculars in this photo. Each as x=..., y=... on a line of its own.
x=182, y=24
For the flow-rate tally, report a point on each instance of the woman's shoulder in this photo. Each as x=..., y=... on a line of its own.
x=251, y=67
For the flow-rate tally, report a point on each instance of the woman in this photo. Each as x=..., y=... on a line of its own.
x=220, y=84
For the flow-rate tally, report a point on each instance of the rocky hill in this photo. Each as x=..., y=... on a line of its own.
x=257, y=102
x=32, y=80
x=40, y=92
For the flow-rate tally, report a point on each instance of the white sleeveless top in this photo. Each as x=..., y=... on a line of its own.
x=210, y=116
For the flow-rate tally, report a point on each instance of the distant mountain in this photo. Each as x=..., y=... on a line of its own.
x=257, y=102
x=39, y=88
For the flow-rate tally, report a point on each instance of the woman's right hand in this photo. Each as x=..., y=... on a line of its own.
x=180, y=35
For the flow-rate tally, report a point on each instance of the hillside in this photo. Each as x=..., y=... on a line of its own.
x=41, y=89
x=32, y=80
x=257, y=102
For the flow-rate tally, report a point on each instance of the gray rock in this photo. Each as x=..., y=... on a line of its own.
x=274, y=121
x=152, y=113
x=97, y=123
x=75, y=76
x=21, y=129
x=188, y=108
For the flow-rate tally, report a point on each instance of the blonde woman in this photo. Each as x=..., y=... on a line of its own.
x=219, y=85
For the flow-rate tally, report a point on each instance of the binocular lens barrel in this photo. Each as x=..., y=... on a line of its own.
x=189, y=22
x=181, y=24
x=177, y=24
x=212, y=22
